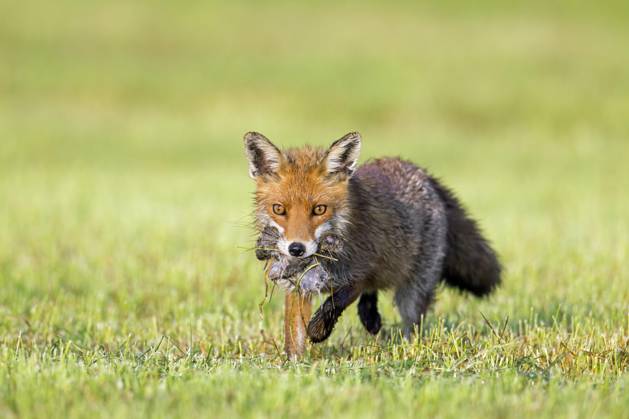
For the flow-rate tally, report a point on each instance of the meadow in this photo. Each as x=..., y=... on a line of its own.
x=126, y=285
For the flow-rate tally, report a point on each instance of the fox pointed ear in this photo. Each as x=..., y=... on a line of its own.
x=343, y=154
x=264, y=158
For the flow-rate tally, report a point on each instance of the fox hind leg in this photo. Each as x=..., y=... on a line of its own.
x=368, y=312
x=414, y=296
x=412, y=303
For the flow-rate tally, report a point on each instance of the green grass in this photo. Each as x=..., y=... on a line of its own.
x=124, y=204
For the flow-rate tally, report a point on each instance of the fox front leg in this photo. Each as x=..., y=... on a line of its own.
x=296, y=315
x=325, y=318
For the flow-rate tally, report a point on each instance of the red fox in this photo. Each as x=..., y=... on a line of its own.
x=387, y=224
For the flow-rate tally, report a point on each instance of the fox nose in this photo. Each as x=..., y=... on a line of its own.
x=296, y=249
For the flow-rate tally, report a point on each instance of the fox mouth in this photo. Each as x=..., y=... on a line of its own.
x=305, y=273
x=309, y=248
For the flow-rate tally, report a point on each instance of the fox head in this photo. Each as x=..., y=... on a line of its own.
x=301, y=192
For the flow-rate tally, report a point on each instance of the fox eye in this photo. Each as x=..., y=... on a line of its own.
x=319, y=209
x=279, y=209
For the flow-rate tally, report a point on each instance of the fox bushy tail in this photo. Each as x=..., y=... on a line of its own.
x=470, y=263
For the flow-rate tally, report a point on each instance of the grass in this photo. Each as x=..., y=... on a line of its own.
x=124, y=204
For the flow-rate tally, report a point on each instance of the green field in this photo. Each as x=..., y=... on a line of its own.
x=126, y=286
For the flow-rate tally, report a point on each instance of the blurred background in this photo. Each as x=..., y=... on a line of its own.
x=124, y=193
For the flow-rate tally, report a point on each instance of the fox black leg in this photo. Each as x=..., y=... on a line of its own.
x=368, y=312
x=325, y=318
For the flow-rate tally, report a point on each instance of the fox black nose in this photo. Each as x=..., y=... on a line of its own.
x=296, y=249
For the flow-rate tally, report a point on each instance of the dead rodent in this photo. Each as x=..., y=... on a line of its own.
x=306, y=275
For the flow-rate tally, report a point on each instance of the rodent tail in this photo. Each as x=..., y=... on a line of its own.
x=470, y=263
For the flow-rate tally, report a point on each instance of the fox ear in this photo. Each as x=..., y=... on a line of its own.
x=264, y=158
x=343, y=154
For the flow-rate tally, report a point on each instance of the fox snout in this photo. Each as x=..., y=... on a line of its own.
x=297, y=248
x=301, y=247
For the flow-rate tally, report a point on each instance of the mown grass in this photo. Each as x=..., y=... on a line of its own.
x=125, y=289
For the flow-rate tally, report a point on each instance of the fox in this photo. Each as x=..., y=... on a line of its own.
x=387, y=224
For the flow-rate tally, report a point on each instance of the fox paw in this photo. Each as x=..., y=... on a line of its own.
x=322, y=323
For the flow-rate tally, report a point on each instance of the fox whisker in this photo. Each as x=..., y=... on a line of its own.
x=326, y=257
